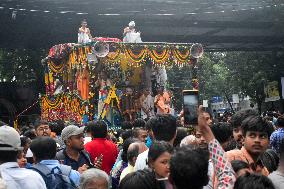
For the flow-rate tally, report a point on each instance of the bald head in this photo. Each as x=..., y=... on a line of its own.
x=134, y=150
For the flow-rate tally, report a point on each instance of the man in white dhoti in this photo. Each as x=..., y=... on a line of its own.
x=84, y=33
x=147, y=104
x=130, y=35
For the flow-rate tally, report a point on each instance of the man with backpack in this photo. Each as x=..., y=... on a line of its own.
x=74, y=154
x=55, y=175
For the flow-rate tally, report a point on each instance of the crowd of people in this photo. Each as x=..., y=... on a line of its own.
x=243, y=151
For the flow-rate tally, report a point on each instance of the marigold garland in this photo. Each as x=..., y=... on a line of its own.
x=136, y=58
x=181, y=58
x=159, y=57
x=55, y=68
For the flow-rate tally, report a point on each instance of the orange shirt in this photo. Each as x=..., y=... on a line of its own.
x=243, y=155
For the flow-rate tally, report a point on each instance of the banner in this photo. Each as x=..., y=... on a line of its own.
x=271, y=92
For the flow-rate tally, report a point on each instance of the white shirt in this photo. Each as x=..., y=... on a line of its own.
x=141, y=161
x=148, y=104
x=20, y=178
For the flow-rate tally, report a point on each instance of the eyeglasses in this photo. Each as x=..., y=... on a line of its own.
x=44, y=129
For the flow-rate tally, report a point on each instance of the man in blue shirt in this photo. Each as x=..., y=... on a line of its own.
x=278, y=135
x=44, y=151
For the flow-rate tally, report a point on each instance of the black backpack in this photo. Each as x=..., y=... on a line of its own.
x=56, y=178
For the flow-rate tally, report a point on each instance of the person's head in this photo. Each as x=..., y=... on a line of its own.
x=132, y=153
x=84, y=23
x=31, y=133
x=181, y=134
x=161, y=90
x=131, y=25
x=236, y=121
x=126, y=134
x=200, y=140
x=21, y=159
x=240, y=167
x=57, y=127
x=256, y=135
x=270, y=160
x=159, y=157
x=43, y=148
x=189, y=167
x=280, y=121
x=146, y=91
x=253, y=181
x=10, y=144
x=141, y=179
x=139, y=123
x=223, y=133
x=164, y=127
x=73, y=137
x=140, y=133
x=188, y=140
x=25, y=143
x=128, y=91
x=103, y=75
x=94, y=178
x=42, y=128
x=98, y=129
x=126, y=125
x=125, y=147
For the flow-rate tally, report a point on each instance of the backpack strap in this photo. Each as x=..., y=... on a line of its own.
x=65, y=169
x=87, y=156
x=42, y=169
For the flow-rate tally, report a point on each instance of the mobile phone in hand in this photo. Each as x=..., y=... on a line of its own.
x=190, y=106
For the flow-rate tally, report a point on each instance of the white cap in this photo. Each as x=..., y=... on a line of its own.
x=9, y=136
x=131, y=24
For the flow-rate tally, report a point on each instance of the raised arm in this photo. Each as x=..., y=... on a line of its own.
x=223, y=168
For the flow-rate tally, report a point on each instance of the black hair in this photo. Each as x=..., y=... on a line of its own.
x=181, y=134
x=141, y=179
x=280, y=121
x=24, y=140
x=57, y=127
x=140, y=123
x=189, y=168
x=43, y=148
x=270, y=160
x=222, y=131
x=30, y=133
x=238, y=165
x=126, y=125
x=98, y=129
x=40, y=122
x=253, y=181
x=163, y=126
x=7, y=155
x=135, y=132
x=126, y=134
x=257, y=124
x=125, y=146
x=241, y=115
x=158, y=148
